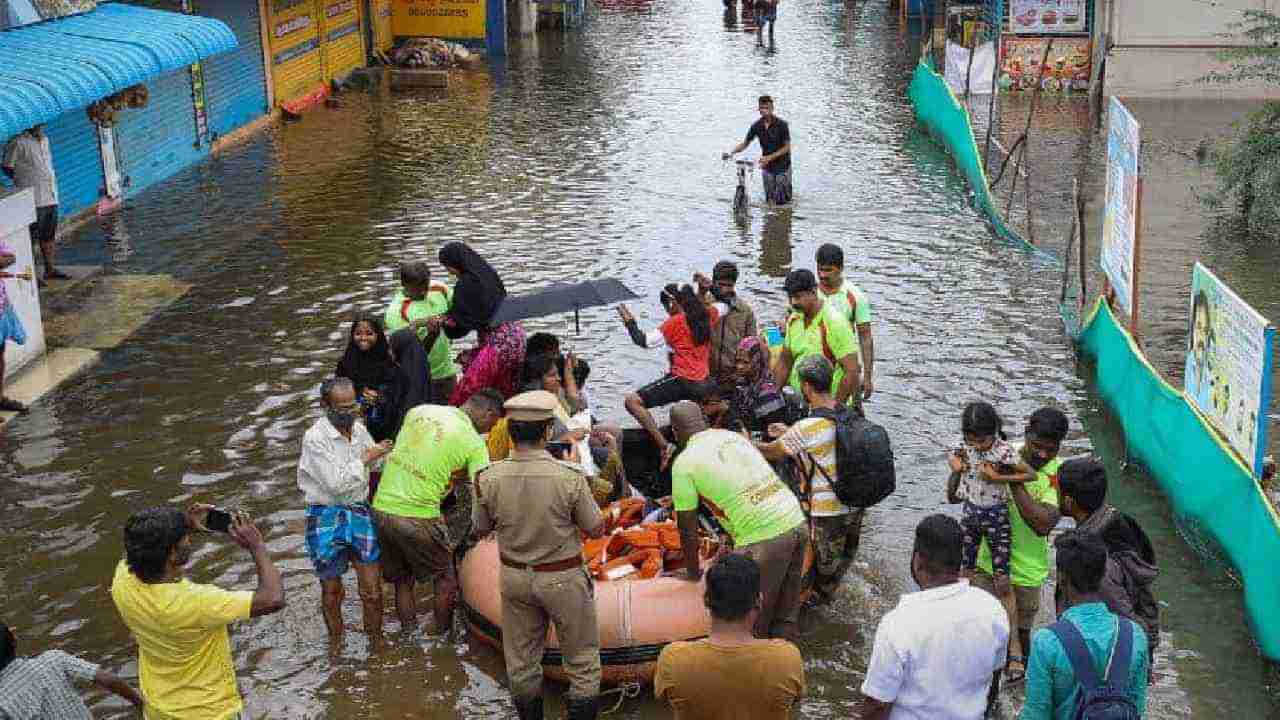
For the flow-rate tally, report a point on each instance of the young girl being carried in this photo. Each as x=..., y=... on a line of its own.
x=982, y=467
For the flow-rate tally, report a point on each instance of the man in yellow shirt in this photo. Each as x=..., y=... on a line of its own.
x=184, y=652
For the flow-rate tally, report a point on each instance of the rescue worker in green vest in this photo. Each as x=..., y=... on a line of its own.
x=1033, y=513
x=537, y=505
x=813, y=328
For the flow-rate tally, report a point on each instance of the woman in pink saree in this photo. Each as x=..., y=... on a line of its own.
x=496, y=360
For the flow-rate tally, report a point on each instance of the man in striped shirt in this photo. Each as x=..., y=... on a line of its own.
x=811, y=443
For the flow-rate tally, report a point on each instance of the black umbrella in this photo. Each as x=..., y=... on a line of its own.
x=563, y=297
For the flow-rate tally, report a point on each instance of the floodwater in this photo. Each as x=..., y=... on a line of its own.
x=595, y=154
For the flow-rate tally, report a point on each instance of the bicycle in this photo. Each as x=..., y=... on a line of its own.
x=740, y=200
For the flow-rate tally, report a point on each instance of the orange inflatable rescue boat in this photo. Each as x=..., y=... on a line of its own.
x=639, y=606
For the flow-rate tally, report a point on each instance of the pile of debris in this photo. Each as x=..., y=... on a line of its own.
x=432, y=53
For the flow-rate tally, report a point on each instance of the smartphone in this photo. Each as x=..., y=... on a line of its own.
x=559, y=449
x=773, y=335
x=218, y=520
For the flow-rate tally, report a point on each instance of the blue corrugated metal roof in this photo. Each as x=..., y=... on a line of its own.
x=66, y=64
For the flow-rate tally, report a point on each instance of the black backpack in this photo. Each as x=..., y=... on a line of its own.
x=1099, y=700
x=864, y=459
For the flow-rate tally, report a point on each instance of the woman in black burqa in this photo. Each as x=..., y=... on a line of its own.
x=477, y=295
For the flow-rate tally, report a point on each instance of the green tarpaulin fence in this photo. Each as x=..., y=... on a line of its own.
x=1202, y=477
x=940, y=112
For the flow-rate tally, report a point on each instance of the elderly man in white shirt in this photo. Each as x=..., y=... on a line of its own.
x=939, y=653
x=333, y=474
x=28, y=161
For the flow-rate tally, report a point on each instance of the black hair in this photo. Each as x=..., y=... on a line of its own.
x=815, y=370
x=416, y=273
x=695, y=313
x=980, y=419
x=8, y=646
x=798, y=281
x=725, y=270
x=765, y=100
x=487, y=399
x=542, y=343
x=733, y=587
x=1082, y=556
x=330, y=384
x=939, y=541
x=829, y=254
x=1048, y=423
x=527, y=432
x=535, y=368
x=149, y=537
x=1084, y=480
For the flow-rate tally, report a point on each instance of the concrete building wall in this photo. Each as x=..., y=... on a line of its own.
x=1160, y=48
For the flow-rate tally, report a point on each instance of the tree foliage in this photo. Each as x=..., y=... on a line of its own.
x=1248, y=166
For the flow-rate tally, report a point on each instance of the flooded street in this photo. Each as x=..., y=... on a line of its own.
x=588, y=155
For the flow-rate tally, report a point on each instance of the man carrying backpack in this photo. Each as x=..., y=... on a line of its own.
x=840, y=478
x=1131, y=559
x=1092, y=663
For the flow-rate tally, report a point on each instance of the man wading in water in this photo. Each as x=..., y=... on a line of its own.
x=775, y=148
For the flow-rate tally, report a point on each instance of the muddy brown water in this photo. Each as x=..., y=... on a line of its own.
x=578, y=156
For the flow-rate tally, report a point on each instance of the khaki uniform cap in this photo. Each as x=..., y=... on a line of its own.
x=531, y=406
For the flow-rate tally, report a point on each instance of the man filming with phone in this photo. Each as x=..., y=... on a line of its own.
x=184, y=652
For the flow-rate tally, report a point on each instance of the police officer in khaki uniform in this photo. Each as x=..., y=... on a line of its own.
x=538, y=505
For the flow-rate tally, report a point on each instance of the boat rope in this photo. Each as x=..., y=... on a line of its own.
x=626, y=690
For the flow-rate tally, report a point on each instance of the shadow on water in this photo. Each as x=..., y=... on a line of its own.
x=588, y=155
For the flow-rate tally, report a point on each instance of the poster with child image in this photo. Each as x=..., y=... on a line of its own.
x=1228, y=364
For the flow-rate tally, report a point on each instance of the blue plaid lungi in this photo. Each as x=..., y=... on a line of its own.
x=11, y=327
x=338, y=534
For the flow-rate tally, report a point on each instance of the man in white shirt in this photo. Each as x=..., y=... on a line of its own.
x=29, y=163
x=811, y=442
x=937, y=654
x=333, y=474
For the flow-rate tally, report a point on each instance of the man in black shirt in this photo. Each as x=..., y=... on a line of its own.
x=775, y=147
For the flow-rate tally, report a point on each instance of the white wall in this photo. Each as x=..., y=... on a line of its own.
x=17, y=211
x=1161, y=48
x=1178, y=22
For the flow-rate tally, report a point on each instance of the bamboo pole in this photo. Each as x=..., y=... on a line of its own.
x=1071, y=240
x=998, y=28
x=1026, y=129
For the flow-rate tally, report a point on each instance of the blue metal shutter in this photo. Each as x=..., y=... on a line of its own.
x=77, y=162
x=235, y=82
x=160, y=139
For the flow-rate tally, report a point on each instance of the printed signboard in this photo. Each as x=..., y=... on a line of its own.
x=1228, y=365
x=439, y=18
x=1069, y=65
x=1047, y=16
x=1119, y=227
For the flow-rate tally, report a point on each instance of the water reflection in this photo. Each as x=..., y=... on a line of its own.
x=576, y=157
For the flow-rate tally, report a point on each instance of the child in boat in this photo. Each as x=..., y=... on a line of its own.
x=982, y=467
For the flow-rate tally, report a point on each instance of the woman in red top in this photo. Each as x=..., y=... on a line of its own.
x=687, y=334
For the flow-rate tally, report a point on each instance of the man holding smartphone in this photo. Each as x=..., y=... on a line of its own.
x=184, y=653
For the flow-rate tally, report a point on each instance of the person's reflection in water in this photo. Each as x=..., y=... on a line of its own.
x=731, y=16
x=775, y=243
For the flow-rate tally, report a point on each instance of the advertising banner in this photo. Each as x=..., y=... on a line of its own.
x=1069, y=65
x=1047, y=16
x=1228, y=365
x=1119, y=227
x=452, y=19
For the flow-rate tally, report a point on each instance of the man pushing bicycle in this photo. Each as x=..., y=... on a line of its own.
x=775, y=147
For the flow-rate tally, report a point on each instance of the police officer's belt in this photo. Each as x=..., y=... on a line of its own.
x=567, y=564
